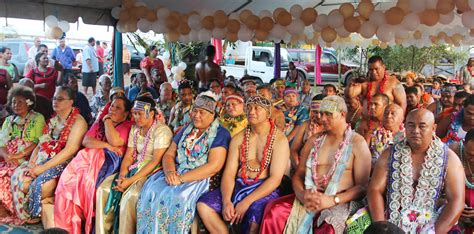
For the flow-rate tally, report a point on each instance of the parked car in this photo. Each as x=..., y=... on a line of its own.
x=136, y=57
x=257, y=62
x=305, y=59
x=19, y=48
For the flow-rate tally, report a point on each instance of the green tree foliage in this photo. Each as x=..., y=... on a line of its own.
x=398, y=58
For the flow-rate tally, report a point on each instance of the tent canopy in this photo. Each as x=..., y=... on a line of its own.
x=98, y=11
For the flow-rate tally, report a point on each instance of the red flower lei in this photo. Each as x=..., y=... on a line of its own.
x=267, y=153
x=57, y=145
x=369, y=94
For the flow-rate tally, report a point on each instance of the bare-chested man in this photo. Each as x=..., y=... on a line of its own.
x=379, y=82
x=277, y=115
x=374, y=120
x=410, y=177
x=207, y=70
x=322, y=191
x=250, y=180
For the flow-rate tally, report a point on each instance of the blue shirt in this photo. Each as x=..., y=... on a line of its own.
x=66, y=57
x=133, y=93
x=89, y=53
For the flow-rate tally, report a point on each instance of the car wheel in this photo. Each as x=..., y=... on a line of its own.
x=259, y=81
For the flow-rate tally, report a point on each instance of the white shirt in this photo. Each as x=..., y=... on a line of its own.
x=32, y=52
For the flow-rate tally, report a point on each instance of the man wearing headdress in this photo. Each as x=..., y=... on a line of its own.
x=198, y=152
x=412, y=177
x=254, y=169
x=332, y=173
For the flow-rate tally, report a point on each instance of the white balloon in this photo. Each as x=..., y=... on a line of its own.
x=411, y=22
x=121, y=26
x=342, y=32
x=316, y=27
x=174, y=69
x=322, y=20
x=234, y=15
x=245, y=34
x=335, y=19
x=204, y=35
x=116, y=12
x=296, y=27
x=417, y=5
x=63, y=25
x=182, y=65
x=384, y=33
x=194, y=35
x=401, y=33
x=159, y=27
x=278, y=31
x=377, y=18
x=467, y=19
x=51, y=21
x=471, y=4
x=446, y=19
x=162, y=13
x=265, y=13
x=296, y=10
x=144, y=25
x=194, y=22
x=431, y=4
x=287, y=38
x=367, y=29
x=219, y=33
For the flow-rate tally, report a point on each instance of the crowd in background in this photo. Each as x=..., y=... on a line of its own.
x=264, y=158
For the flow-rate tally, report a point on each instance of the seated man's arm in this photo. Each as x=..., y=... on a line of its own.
x=360, y=171
x=454, y=187
x=231, y=168
x=298, y=178
x=377, y=187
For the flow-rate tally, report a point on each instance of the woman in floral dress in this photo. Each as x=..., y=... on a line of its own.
x=34, y=181
x=18, y=138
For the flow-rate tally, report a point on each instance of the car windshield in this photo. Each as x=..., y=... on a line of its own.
x=14, y=47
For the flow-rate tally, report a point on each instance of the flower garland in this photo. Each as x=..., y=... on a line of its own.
x=18, y=144
x=267, y=154
x=323, y=180
x=381, y=138
x=189, y=151
x=231, y=122
x=138, y=158
x=369, y=94
x=411, y=208
x=52, y=145
x=456, y=123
